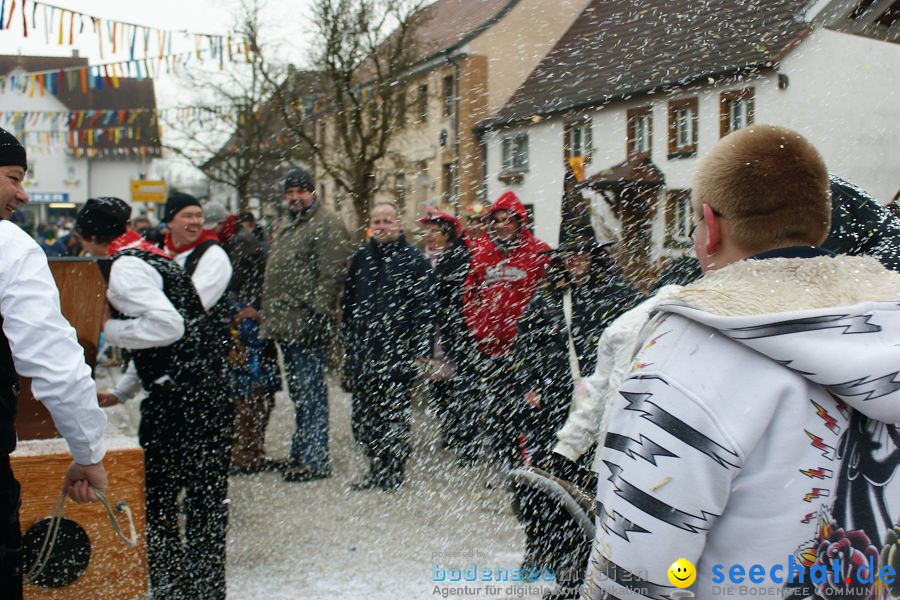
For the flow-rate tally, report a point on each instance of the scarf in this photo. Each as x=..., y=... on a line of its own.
x=132, y=239
x=205, y=236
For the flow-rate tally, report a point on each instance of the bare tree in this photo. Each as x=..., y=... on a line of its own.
x=227, y=129
x=364, y=51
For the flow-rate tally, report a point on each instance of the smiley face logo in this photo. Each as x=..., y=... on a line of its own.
x=682, y=573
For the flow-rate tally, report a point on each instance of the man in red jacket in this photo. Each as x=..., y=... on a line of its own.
x=502, y=278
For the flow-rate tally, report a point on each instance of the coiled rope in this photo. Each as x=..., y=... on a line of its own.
x=46, y=551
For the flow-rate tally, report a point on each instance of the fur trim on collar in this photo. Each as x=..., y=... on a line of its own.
x=755, y=287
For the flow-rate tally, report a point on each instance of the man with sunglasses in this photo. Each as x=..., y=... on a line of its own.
x=504, y=274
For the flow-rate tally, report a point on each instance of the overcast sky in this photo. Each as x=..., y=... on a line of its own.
x=282, y=28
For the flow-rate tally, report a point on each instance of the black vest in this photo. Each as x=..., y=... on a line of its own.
x=219, y=312
x=187, y=361
x=9, y=396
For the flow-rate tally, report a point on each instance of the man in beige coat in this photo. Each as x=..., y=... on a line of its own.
x=304, y=272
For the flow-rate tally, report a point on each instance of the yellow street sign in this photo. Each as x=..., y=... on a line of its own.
x=144, y=190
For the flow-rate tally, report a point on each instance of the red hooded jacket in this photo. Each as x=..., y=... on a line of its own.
x=500, y=284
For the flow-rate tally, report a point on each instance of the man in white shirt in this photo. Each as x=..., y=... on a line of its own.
x=199, y=252
x=37, y=342
x=186, y=419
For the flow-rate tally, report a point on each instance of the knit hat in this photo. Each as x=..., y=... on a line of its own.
x=12, y=153
x=176, y=202
x=299, y=178
x=438, y=217
x=102, y=217
x=214, y=213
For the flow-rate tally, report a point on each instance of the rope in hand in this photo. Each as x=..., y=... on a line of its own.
x=46, y=551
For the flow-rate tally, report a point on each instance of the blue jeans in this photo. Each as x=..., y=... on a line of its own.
x=305, y=372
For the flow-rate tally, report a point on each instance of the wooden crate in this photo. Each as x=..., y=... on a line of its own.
x=115, y=571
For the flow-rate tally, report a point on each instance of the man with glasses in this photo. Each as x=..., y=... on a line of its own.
x=505, y=271
x=756, y=432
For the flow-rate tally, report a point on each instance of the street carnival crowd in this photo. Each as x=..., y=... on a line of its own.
x=690, y=391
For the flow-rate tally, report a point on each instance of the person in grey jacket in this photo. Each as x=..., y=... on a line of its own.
x=304, y=271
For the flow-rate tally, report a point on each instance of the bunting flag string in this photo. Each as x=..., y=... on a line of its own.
x=79, y=119
x=107, y=74
x=116, y=34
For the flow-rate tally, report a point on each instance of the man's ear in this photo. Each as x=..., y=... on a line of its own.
x=714, y=230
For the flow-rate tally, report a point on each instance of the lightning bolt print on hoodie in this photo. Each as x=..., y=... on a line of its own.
x=757, y=424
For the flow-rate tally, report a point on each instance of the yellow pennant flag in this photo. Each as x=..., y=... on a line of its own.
x=62, y=16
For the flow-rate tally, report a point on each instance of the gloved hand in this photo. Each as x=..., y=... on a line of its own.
x=559, y=465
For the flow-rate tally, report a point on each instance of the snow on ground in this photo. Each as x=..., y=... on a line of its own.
x=322, y=541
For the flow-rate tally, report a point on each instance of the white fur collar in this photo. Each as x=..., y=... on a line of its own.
x=756, y=287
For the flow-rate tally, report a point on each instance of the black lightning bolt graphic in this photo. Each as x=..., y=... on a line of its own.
x=617, y=524
x=867, y=386
x=640, y=403
x=850, y=324
x=645, y=448
x=656, y=508
x=633, y=582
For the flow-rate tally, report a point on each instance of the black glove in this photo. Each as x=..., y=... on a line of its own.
x=560, y=466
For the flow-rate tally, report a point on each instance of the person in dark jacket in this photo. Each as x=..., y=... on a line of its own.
x=388, y=327
x=557, y=343
x=253, y=361
x=861, y=226
x=452, y=360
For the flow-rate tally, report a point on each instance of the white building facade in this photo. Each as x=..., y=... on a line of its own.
x=838, y=90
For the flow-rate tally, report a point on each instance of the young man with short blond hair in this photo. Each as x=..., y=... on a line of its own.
x=757, y=424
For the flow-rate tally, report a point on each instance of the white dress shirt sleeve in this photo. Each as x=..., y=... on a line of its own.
x=129, y=385
x=44, y=345
x=136, y=290
x=212, y=275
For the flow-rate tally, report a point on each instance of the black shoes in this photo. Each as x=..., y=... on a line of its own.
x=385, y=480
x=366, y=482
x=296, y=473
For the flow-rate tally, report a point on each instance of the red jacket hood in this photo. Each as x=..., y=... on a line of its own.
x=508, y=201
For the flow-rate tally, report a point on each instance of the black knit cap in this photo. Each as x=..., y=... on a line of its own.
x=12, y=153
x=299, y=178
x=176, y=202
x=102, y=217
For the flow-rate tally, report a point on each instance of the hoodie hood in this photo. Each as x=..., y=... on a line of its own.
x=833, y=320
x=508, y=201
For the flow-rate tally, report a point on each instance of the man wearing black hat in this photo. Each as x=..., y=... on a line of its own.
x=37, y=342
x=304, y=272
x=186, y=421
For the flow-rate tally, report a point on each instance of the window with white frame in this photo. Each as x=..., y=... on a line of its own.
x=640, y=131
x=578, y=139
x=737, y=110
x=515, y=152
x=679, y=217
x=683, y=128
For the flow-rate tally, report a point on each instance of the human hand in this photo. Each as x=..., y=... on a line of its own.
x=105, y=399
x=533, y=399
x=80, y=479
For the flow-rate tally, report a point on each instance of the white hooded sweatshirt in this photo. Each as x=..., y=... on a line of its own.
x=757, y=428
